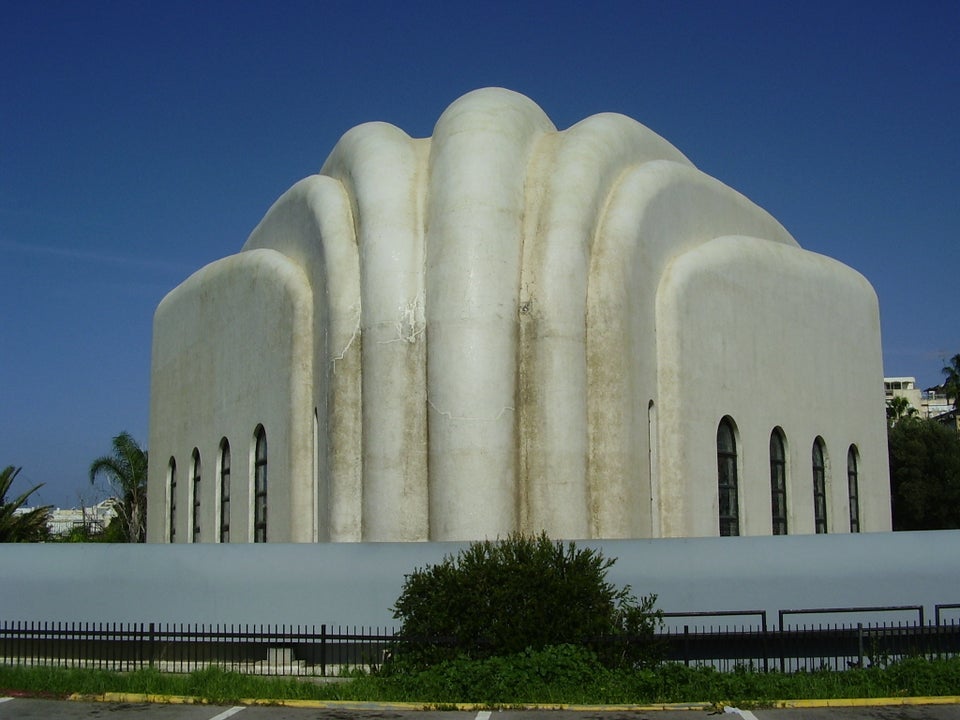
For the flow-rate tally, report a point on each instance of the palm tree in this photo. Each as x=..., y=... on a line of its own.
x=30, y=526
x=951, y=387
x=899, y=408
x=126, y=474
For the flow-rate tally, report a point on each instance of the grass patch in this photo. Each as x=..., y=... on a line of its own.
x=564, y=675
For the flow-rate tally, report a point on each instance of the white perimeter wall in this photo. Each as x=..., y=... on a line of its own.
x=355, y=584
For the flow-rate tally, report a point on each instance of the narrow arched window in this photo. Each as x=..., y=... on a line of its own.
x=853, y=489
x=727, y=478
x=260, y=486
x=819, y=486
x=195, y=489
x=224, y=491
x=778, y=482
x=172, y=482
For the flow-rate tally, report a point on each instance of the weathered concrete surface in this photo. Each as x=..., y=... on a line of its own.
x=510, y=327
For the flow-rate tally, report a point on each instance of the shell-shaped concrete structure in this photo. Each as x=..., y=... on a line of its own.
x=509, y=327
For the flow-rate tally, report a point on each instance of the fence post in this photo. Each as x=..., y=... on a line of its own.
x=686, y=645
x=860, y=644
x=151, y=650
x=766, y=652
x=781, y=642
x=323, y=650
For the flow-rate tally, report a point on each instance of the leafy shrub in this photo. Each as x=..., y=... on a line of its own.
x=560, y=673
x=501, y=598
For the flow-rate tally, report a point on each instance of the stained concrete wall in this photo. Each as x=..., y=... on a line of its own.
x=773, y=337
x=480, y=339
x=217, y=336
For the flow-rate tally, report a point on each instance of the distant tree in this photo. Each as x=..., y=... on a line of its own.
x=30, y=526
x=898, y=407
x=114, y=532
x=80, y=534
x=924, y=475
x=126, y=473
x=951, y=386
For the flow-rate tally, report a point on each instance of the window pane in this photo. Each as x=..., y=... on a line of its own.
x=853, y=490
x=224, y=491
x=196, y=495
x=260, y=487
x=819, y=488
x=725, y=440
x=172, y=471
x=778, y=484
x=729, y=521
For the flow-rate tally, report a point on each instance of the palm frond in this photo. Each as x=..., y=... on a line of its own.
x=125, y=472
x=30, y=526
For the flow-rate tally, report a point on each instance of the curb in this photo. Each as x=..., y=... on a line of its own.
x=869, y=702
x=115, y=697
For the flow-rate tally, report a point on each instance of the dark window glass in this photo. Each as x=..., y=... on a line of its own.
x=778, y=483
x=260, y=487
x=727, y=478
x=224, y=491
x=819, y=487
x=172, y=473
x=853, y=489
x=196, y=495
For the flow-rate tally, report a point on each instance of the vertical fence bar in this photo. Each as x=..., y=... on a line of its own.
x=859, y=644
x=323, y=650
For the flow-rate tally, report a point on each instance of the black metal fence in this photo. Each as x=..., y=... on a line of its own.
x=170, y=647
x=326, y=650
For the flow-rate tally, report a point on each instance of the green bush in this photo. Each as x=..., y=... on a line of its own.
x=557, y=674
x=504, y=597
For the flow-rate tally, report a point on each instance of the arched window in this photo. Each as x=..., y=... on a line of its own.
x=224, y=491
x=195, y=483
x=819, y=487
x=853, y=490
x=727, y=478
x=260, y=486
x=172, y=482
x=778, y=482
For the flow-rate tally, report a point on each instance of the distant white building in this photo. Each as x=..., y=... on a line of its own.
x=509, y=327
x=62, y=520
x=94, y=518
x=928, y=403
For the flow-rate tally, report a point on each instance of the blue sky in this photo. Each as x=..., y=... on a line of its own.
x=141, y=140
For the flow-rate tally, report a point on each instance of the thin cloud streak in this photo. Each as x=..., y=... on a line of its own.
x=98, y=258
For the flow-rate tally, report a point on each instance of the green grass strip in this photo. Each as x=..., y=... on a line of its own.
x=509, y=681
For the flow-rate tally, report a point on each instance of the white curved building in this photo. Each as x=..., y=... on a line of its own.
x=509, y=327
